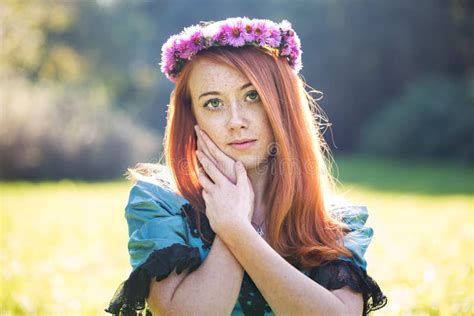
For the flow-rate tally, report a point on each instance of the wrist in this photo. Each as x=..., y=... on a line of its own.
x=236, y=230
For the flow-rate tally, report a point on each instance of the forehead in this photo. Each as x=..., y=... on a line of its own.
x=207, y=76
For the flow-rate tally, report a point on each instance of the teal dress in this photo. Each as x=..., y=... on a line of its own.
x=163, y=237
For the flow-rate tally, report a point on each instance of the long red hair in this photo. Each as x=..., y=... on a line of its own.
x=299, y=225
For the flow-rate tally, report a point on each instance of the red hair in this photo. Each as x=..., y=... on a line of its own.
x=299, y=226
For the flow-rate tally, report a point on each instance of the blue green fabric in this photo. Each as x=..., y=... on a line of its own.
x=154, y=222
x=152, y=214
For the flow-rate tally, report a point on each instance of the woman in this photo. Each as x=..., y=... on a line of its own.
x=247, y=222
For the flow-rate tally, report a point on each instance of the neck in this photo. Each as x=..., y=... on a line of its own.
x=259, y=179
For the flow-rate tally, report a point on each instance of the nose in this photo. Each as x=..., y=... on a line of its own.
x=237, y=118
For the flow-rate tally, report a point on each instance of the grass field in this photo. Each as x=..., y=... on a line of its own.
x=64, y=244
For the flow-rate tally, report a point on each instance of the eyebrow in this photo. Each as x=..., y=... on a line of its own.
x=248, y=84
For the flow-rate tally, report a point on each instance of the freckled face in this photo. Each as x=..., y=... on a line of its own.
x=228, y=108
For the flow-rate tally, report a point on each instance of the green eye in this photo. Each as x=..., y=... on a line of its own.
x=253, y=95
x=214, y=103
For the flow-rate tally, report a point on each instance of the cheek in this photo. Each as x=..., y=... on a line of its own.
x=265, y=128
x=267, y=136
x=212, y=128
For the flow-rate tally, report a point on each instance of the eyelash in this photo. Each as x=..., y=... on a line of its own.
x=215, y=109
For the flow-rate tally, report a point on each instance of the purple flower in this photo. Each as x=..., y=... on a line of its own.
x=296, y=44
x=168, y=52
x=195, y=39
x=220, y=36
x=288, y=43
x=234, y=32
x=182, y=50
x=260, y=31
x=286, y=50
x=248, y=33
x=273, y=37
x=190, y=42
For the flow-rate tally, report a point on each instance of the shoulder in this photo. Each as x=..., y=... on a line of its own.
x=150, y=204
x=353, y=214
x=152, y=195
x=359, y=235
x=155, y=221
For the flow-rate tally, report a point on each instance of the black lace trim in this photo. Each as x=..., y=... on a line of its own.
x=339, y=273
x=188, y=211
x=129, y=298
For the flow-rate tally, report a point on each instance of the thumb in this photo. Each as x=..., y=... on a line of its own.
x=241, y=173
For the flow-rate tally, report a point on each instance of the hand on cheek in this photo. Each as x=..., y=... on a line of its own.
x=224, y=163
x=227, y=204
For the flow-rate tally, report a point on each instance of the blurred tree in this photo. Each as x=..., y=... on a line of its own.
x=25, y=26
x=431, y=118
x=360, y=54
x=70, y=67
x=67, y=133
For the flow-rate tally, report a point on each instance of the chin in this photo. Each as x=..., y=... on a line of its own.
x=253, y=162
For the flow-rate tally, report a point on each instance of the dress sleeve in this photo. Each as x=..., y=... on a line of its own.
x=336, y=274
x=352, y=271
x=158, y=244
x=358, y=239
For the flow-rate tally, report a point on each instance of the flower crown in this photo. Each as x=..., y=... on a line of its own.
x=280, y=39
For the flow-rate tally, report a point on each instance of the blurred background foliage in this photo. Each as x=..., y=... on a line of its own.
x=82, y=95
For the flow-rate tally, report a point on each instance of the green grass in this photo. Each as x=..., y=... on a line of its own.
x=411, y=176
x=64, y=244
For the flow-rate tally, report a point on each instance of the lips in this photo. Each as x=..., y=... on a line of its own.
x=244, y=145
x=242, y=141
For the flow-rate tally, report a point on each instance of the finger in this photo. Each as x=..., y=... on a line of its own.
x=213, y=149
x=201, y=145
x=202, y=148
x=205, y=182
x=212, y=171
x=221, y=160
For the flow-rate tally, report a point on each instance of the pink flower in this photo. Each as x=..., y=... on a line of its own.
x=273, y=37
x=168, y=52
x=195, y=37
x=189, y=43
x=260, y=32
x=235, y=32
x=182, y=50
x=286, y=50
x=248, y=30
x=220, y=37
